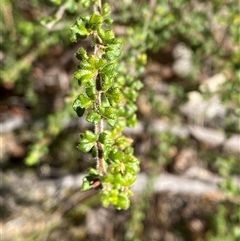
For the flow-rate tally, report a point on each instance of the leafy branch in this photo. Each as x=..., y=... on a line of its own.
x=103, y=97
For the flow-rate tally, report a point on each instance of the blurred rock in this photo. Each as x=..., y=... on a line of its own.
x=212, y=84
x=182, y=65
x=232, y=145
x=184, y=160
x=200, y=173
x=97, y=221
x=209, y=112
x=180, y=131
x=210, y=137
x=159, y=126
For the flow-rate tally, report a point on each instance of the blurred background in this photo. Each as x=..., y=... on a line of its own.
x=185, y=54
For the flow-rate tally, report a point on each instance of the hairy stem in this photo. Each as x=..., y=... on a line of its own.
x=97, y=6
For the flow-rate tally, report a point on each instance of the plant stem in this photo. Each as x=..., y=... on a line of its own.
x=98, y=127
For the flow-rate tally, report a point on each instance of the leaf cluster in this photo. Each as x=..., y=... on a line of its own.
x=102, y=99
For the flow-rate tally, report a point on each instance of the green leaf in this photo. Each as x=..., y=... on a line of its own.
x=100, y=63
x=119, y=167
x=132, y=121
x=123, y=201
x=132, y=168
x=77, y=107
x=85, y=146
x=105, y=9
x=87, y=64
x=106, y=35
x=71, y=6
x=137, y=85
x=114, y=96
x=129, y=150
x=107, y=83
x=103, y=138
x=94, y=152
x=82, y=54
x=95, y=21
x=105, y=199
x=89, y=135
x=78, y=31
x=84, y=76
x=108, y=21
x=96, y=63
x=109, y=70
x=93, y=117
x=112, y=54
x=57, y=2
x=91, y=92
x=93, y=171
x=123, y=142
x=85, y=3
x=87, y=141
x=112, y=122
x=84, y=101
x=108, y=112
x=116, y=155
x=131, y=94
x=128, y=179
x=86, y=184
x=130, y=158
x=113, y=197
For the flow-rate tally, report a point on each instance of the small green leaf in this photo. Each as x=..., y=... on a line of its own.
x=130, y=158
x=123, y=201
x=94, y=152
x=82, y=54
x=77, y=107
x=107, y=35
x=131, y=94
x=107, y=83
x=112, y=122
x=91, y=92
x=57, y=2
x=105, y=199
x=137, y=85
x=84, y=100
x=113, y=197
x=93, y=117
x=95, y=21
x=132, y=121
x=123, y=142
x=87, y=141
x=85, y=146
x=86, y=184
x=96, y=63
x=108, y=21
x=132, y=168
x=78, y=31
x=103, y=137
x=84, y=76
x=90, y=136
x=85, y=3
x=71, y=6
x=93, y=171
x=108, y=70
x=114, y=96
x=88, y=64
x=128, y=179
x=108, y=112
x=116, y=155
x=112, y=54
x=100, y=63
x=105, y=9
